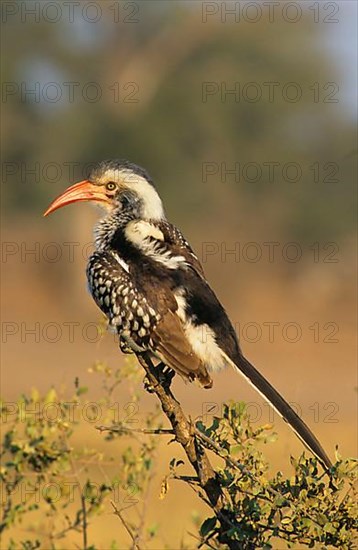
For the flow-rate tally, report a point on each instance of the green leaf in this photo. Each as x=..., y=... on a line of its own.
x=235, y=449
x=51, y=396
x=153, y=530
x=207, y=526
x=329, y=528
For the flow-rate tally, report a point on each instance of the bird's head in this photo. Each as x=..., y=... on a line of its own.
x=118, y=186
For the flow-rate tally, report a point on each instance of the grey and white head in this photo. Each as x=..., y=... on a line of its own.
x=121, y=187
x=129, y=188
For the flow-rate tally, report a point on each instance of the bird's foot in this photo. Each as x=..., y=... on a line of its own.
x=166, y=375
x=128, y=345
x=148, y=386
x=125, y=347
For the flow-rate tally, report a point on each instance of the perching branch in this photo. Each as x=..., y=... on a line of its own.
x=185, y=434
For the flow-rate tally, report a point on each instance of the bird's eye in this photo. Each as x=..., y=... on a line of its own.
x=110, y=186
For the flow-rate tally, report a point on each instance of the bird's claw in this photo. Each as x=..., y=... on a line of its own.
x=148, y=386
x=125, y=347
x=165, y=377
x=128, y=345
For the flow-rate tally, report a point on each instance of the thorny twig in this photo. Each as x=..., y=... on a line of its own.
x=118, y=513
x=124, y=429
x=84, y=521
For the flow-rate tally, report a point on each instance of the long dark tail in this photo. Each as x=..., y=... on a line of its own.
x=282, y=407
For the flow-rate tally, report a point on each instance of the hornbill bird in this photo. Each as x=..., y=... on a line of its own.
x=147, y=280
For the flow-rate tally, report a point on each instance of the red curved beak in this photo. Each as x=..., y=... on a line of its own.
x=82, y=191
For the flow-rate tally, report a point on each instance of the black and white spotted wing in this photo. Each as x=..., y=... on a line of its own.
x=115, y=294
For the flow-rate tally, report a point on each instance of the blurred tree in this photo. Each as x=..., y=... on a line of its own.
x=162, y=121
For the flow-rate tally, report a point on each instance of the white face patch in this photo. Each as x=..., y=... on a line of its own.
x=152, y=204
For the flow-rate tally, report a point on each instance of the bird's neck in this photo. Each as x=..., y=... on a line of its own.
x=106, y=228
x=112, y=226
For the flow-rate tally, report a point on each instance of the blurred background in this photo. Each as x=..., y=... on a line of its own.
x=245, y=116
